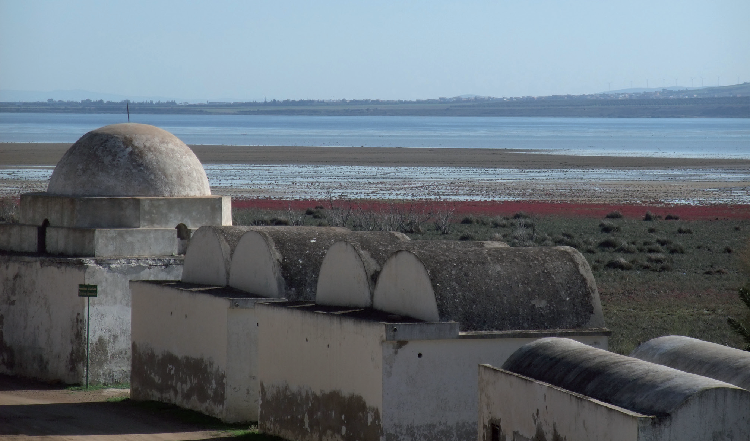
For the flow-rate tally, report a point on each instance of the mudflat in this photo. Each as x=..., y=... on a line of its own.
x=41, y=154
x=549, y=189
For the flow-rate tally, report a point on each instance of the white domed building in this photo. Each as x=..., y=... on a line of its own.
x=120, y=190
x=119, y=206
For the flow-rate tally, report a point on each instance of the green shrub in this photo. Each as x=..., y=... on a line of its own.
x=468, y=220
x=564, y=241
x=676, y=248
x=614, y=215
x=499, y=223
x=608, y=227
x=521, y=215
x=620, y=264
x=738, y=327
x=657, y=258
x=610, y=243
x=672, y=217
x=627, y=249
x=684, y=231
x=651, y=216
x=467, y=236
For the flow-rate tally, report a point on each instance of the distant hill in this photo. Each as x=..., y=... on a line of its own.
x=735, y=90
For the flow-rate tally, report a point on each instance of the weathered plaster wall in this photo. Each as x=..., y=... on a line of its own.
x=242, y=389
x=179, y=342
x=521, y=408
x=720, y=413
x=43, y=319
x=123, y=212
x=18, y=238
x=197, y=347
x=84, y=242
x=320, y=375
x=430, y=386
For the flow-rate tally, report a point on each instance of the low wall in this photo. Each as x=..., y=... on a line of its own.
x=430, y=385
x=195, y=347
x=513, y=407
x=340, y=373
x=320, y=375
x=43, y=321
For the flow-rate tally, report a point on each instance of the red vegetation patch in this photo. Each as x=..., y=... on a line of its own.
x=498, y=208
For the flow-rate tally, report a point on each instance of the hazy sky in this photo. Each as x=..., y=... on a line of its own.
x=369, y=49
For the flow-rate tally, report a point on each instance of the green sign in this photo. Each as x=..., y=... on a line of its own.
x=87, y=290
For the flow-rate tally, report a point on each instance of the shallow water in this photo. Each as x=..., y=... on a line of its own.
x=663, y=137
x=446, y=183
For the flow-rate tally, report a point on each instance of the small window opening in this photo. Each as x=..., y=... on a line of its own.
x=494, y=432
x=183, y=232
x=41, y=237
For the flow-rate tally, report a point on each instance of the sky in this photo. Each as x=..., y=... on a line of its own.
x=251, y=50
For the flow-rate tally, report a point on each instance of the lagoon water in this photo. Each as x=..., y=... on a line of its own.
x=663, y=137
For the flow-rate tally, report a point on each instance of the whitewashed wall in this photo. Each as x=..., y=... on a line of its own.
x=320, y=375
x=195, y=349
x=522, y=408
x=435, y=396
x=43, y=321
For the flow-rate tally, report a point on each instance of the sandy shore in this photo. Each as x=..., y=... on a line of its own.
x=580, y=190
x=32, y=154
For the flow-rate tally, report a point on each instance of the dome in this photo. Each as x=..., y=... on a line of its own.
x=129, y=160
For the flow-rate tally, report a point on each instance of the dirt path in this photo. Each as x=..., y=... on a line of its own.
x=35, y=411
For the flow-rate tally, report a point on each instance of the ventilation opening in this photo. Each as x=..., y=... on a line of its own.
x=494, y=432
x=41, y=237
x=183, y=232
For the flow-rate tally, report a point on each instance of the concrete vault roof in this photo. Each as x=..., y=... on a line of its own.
x=129, y=160
x=630, y=383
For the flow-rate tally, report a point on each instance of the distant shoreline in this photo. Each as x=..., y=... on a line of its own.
x=555, y=106
x=48, y=154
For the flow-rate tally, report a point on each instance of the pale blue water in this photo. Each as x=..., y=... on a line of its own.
x=679, y=137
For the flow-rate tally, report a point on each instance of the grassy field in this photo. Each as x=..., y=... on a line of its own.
x=655, y=277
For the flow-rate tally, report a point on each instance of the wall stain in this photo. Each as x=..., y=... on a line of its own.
x=177, y=379
x=77, y=355
x=493, y=431
x=7, y=354
x=539, y=435
x=431, y=432
x=303, y=415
